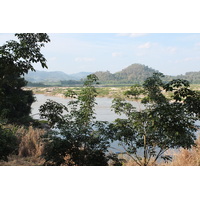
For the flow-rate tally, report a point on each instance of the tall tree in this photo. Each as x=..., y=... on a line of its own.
x=81, y=140
x=16, y=59
x=162, y=124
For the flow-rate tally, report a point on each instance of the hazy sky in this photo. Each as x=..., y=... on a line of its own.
x=170, y=53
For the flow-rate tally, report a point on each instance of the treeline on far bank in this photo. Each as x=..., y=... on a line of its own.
x=67, y=83
x=134, y=74
x=73, y=83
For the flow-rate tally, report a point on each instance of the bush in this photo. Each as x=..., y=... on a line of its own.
x=8, y=143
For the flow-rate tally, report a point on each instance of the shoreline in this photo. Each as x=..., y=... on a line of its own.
x=111, y=92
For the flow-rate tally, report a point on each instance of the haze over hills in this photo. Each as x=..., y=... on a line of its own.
x=135, y=73
x=53, y=76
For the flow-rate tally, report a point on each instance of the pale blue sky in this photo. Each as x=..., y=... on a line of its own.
x=170, y=53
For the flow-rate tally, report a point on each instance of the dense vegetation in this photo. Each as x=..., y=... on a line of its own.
x=162, y=124
x=59, y=84
x=192, y=77
x=81, y=140
x=137, y=74
x=16, y=59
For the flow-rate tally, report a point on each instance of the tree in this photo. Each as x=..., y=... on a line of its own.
x=162, y=124
x=80, y=139
x=16, y=59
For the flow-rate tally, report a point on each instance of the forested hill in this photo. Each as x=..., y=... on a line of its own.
x=193, y=77
x=135, y=73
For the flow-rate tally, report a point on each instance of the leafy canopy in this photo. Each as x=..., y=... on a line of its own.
x=80, y=139
x=8, y=143
x=162, y=124
x=16, y=59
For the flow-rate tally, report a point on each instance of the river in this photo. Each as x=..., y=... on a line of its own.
x=103, y=110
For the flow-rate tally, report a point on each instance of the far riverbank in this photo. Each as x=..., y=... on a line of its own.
x=109, y=92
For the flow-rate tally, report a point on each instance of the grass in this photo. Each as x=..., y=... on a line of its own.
x=181, y=157
x=30, y=149
x=185, y=157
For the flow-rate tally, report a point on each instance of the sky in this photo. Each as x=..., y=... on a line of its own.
x=170, y=53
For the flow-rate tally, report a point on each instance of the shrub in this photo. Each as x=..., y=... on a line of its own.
x=8, y=143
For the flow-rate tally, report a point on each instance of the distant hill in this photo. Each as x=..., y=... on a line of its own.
x=54, y=76
x=135, y=73
x=192, y=77
x=79, y=76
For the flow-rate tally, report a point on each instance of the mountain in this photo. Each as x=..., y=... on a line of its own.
x=135, y=73
x=138, y=73
x=79, y=76
x=105, y=76
x=192, y=77
x=54, y=76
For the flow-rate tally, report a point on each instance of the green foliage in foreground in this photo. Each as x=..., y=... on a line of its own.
x=81, y=140
x=8, y=143
x=163, y=123
x=16, y=59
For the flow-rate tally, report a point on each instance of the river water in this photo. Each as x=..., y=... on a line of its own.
x=103, y=111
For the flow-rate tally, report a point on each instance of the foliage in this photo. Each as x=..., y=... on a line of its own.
x=16, y=59
x=133, y=74
x=8, y=143
x=138, y=73
x=163, y=124
x=27, y=150
x=135, y=92
x=105, y=76
x=81, y=140
x=190, y=98
x=53, y=111
x=192, y=77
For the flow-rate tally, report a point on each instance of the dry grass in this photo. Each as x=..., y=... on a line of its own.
x=15, y=160
x=186, y=157
x=30, y=149
x=31, y=143
x=182, y=157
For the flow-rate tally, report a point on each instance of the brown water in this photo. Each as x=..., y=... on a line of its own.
x=102, y=109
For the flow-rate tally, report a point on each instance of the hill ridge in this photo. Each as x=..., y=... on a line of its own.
x=135, y=73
